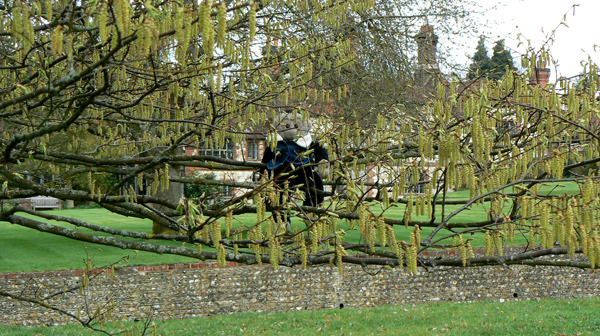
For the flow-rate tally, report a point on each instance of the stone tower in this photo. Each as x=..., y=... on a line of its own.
x=428, y=72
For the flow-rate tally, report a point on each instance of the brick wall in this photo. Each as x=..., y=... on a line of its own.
x=181, y=291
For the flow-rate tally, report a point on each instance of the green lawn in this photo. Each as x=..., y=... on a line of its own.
x=545, y=317
x=23, y=249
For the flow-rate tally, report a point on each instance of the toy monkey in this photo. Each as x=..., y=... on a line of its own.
x=285, y=163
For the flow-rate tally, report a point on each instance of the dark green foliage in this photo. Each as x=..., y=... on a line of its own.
x=501, y=60
x=482, y=66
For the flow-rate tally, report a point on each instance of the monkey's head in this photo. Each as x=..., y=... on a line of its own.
x=290, y=126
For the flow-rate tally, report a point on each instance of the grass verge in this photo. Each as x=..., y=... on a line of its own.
x=545, y=317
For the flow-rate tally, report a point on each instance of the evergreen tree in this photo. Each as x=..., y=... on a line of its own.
x=481, y=62
x=501, y=59
x=490, y=68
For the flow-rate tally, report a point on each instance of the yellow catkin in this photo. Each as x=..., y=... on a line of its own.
x=57, y=40
x=228, y=223
x=304, y=252
x=155, y=182
x=340, y=252
x=572, y=243
x=340, y=264
x=414, y=259
x=524, y=206
x=165, y=178
x=385, y=198
x=236, y=236
x=417, y=235
x=221, y=257
x=140, y=181
x=371, y=232
x=583, y=238
x=569, y=223
x=102, y=17
x=488, y=244
x=206, y=234
x=532, y=233
x=252, y=21
x=69, y=46
x=17, y=17
x=28, y=34
x=597, y=249
x=273, y=253
x=269, y=225
x=216, y=232
x=222, y=24
x=391, y=240
x=413, y=238
x=562, y=226
x=381, y=230
x=179, y=13
x=48, y=8
x=499, y=244
x=125, y=15
x=463, y=250
x=207, y=28
x=315, y=238
x=545, y=225
x=258, y=257
x=470, y=251
x=421, y=143
x=407, y=256
x=408, y=211
x=591, y=252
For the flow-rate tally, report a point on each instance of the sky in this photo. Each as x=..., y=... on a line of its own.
x=535, y=20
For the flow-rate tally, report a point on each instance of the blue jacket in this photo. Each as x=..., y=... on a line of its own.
x=289, y=153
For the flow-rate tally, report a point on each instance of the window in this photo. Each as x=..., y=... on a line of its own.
x=225, y=152
x=252, y=150
x=228, y=192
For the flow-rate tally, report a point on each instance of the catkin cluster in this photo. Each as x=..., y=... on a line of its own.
x=57, y=40
x=274, y=252
x=261, y=208
x=221, y=255
x=463, y=250
x=208, y=32
x=493, y=243
x=228, y=223
x=102, y=20
x=255, y=234
x=593, y=250
x=392, y=242
x=340, y=252
x=411, y=253
x=252, y=21
x=123, y=12
x=381, y=232
x=570, y=236
x=409, y=211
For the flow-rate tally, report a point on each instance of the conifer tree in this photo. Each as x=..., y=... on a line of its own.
x=482, y=66
x=481, y=63
x=501, y=59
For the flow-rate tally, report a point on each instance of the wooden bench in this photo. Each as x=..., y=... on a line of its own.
x=41, y=203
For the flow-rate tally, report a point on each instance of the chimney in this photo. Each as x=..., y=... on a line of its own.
x=540, y=77
x=427, y=47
